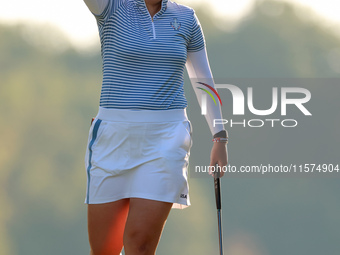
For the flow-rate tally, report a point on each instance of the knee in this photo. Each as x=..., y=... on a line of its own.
x=137, y=242
x=100, y=251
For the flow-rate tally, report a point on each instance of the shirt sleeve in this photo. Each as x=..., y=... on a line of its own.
x=199, y=72
x=103, y=9
x=96, y=6
x=197, y=40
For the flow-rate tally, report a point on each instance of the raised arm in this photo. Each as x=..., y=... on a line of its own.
x=96, y=6
x=199, y=71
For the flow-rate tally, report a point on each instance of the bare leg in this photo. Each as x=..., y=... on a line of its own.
x=106, y=223
x=144, y=226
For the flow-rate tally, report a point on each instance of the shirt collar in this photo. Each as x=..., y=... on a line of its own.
x=141, y=4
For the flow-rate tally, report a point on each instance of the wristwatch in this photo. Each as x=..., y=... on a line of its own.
x=222, y=133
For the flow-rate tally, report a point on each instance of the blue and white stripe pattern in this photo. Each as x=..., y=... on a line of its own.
x=144, y=58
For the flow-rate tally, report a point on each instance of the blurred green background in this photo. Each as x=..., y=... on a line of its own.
x=49, y=91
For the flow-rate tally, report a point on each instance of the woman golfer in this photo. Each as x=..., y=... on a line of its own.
x=139, y=143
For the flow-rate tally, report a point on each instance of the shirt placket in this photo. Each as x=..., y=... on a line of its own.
x=152, y=20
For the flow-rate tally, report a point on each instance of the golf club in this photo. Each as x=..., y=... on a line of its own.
x=218, y=206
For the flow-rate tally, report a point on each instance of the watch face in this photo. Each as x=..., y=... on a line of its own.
x=222, y=133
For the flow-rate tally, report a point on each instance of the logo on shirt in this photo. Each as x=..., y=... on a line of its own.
x=183, y=196
x=175, y=24
x=204, y=99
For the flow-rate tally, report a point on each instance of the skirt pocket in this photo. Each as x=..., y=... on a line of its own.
x=111, y=151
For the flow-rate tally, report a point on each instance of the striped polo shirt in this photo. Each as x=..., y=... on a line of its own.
x=144, y=57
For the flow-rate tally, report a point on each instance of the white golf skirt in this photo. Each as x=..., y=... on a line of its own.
x=139, y=153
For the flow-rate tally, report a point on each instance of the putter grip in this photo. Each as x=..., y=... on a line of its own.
x=217, y=192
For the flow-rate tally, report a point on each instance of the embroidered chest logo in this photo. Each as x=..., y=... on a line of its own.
x=175, y=24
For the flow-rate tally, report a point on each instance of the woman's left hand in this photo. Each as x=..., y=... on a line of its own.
x=219, y=155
